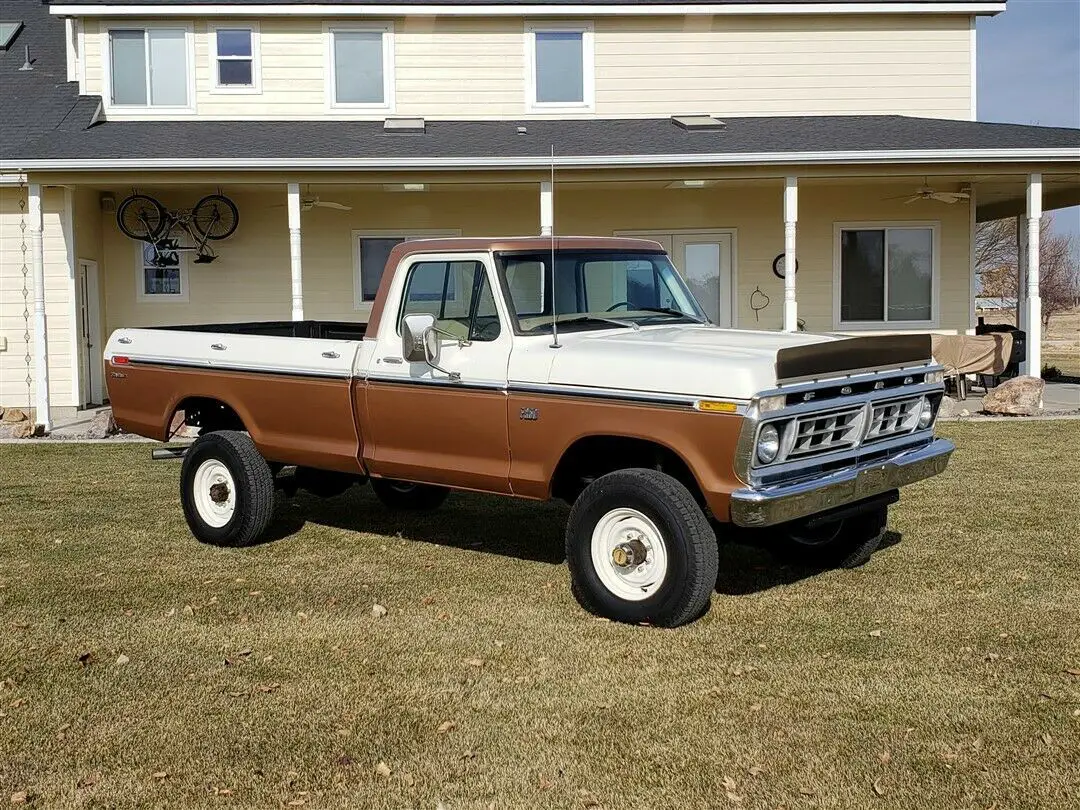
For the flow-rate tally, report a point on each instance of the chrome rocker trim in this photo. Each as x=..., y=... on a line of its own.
x=779, y=503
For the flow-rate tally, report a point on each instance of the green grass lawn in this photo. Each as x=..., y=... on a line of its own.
x=944, y=674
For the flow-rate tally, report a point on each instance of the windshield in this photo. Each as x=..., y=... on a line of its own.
x=595, y=289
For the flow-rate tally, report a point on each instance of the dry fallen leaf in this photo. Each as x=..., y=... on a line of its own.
x=378, y=611
x=297, y=803
x=1072, y=671
x=245, y=652
x=17, y=702
x=755, y=770
x=445, y=726
x=22, y=797
x=875, y=633
x=160, y=775
x=885, y=757
x=122, y=659
x=189, y=610
x=474, y=662
x=268, y=687
x=729, y=783
x=879, y=788
x=755, y=707
x=1046, y=738
x=383, y=770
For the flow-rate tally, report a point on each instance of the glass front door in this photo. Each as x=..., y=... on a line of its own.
x=705, y=261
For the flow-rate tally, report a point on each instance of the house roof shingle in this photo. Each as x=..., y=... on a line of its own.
x=928, y=3
x=267, y=143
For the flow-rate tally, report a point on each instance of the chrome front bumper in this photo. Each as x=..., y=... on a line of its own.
x=779, y=503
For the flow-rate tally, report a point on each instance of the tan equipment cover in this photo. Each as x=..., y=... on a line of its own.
x=973, y=354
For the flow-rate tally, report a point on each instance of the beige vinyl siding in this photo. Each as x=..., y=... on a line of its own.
x=251, y=279
x=645, y=66
x=13, y=324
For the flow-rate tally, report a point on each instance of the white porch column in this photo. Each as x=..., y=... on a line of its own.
x=295, y=262
x=41, y=345
x=791, y=217
x=1034, y=300
x=547, y=209
x=1021, y=275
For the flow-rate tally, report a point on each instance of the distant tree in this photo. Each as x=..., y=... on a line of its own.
x=995, y=264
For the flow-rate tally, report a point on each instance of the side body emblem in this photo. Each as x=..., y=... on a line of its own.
x=530, y=414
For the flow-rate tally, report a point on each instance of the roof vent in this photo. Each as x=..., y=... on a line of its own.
x=27, y=64
x=9, y=29
x=695, y=123
x=522, y=130
x=407, y=125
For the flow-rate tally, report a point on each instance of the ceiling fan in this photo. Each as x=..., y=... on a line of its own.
x=309, y=202
x=925, y=192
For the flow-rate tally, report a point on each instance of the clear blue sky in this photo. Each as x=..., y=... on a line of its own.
x=1028, y=65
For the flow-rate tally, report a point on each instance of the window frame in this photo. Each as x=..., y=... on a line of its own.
x=330, y=72
x=253, y=89
x=588, y=66
x=359, y=304
x=934, y=226
x=143, y=297
x=148, y=108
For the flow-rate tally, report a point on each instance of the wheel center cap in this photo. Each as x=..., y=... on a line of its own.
x=629, y=554
x=219, y=493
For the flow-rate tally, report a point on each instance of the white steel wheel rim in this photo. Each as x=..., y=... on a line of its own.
x=613, y=532
x=214, y=493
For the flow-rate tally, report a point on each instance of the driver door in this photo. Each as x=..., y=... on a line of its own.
x=423, y=426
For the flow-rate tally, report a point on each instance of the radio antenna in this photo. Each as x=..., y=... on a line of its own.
x=554, y=310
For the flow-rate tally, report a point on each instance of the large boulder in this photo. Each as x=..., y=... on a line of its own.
x=16, y=430
x=1020, y=396
x=14, y=415
x=102, y=425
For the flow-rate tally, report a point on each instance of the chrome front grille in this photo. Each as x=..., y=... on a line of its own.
x=893, y=418
x=824, y=433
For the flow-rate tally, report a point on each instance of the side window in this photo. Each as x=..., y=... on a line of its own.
x=457, y=294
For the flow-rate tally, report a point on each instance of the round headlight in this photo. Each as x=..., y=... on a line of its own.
x=768, y=444
x=926, y=415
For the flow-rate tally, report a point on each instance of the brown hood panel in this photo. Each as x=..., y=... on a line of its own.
x=852, y=354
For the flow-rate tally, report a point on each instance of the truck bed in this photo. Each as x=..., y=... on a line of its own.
x=319, y=330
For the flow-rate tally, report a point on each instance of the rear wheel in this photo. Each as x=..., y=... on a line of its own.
x=640, y=549
x=845, y=543
x=141, y=217
x=406, y=496
x=227, y=489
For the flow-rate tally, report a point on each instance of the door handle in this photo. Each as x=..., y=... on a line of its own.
x=397, y=361
x=331, y=355
x=217, y=347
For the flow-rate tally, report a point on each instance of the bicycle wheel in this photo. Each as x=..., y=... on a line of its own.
x=142, y=217
x=215, y=216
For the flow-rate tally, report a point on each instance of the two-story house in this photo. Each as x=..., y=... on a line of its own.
x=808, y=164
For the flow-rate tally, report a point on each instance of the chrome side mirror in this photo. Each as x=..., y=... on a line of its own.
x=419, y=343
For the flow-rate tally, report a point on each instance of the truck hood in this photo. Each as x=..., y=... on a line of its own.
x=679, y=359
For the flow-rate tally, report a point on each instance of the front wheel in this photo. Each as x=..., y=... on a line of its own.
x=215, y=216
x=640, y=549
x=408, y=497
x=845, y=543
x=227, y=489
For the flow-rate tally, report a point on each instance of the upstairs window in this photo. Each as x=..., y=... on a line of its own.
x=149, y=67
x=234, y=52
x=361, y=67
x=887, y=275
x=560, y=64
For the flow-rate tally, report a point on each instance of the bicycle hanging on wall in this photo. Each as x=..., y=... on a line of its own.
x=213, y=218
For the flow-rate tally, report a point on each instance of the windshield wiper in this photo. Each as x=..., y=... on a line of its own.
x=677, y=312
x=590, y=319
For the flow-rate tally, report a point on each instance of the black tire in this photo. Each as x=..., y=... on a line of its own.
x=252, y=480
x=215, y=217
x=408, y=497
x=846, y=543
x=323, y=483
x=689, y=542
x=142, y=218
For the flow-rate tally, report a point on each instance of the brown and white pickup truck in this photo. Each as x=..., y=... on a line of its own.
x=576, y=368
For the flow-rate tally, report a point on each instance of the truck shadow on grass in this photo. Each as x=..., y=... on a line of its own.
x=523, y=530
